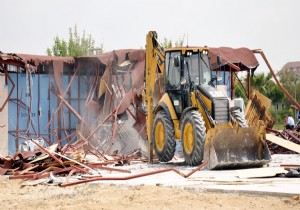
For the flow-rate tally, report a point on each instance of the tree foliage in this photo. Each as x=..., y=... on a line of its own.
x=240, y=91
x=262, y=83
x=276, y=95
x=291, y=83
x=77, y=45
x=266, y=86
x=168, y=43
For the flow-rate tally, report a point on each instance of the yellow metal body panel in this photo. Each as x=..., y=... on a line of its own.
x=209, y=128
x=155, y=62
x=176, y=129
x=195, y=103
x=167, y=101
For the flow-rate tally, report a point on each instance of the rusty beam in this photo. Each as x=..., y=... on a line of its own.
x=96, y=151
x=12, y=89
x=29, y=176
x=74, y=161
x=69, y=106
x=92, y=89
x=136, y=175
x=60, y=103
x=259, y=51
x=49, y=153
x=110, y=169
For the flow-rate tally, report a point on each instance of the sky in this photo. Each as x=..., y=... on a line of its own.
x=271, y=25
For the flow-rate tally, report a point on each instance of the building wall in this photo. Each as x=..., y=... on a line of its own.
x=3, y=118
x=44, y=103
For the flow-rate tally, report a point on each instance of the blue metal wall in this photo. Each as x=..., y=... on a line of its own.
x=24, y=92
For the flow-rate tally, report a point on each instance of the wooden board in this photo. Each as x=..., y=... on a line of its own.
x=42, y=157
x=284, y=143
x=257, y=110
x=264, y=99
x=260, y=172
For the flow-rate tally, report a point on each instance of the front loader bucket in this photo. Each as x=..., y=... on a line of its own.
x=234, y=148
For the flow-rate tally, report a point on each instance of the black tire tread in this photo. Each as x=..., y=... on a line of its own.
x=195, y=118
x=239, y=117
x=169, y=148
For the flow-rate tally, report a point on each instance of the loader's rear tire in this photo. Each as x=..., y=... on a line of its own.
x=193, y=134
x=163, y=137
x=237, y=115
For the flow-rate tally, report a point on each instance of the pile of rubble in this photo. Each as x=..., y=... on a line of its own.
x=44, y=165
x=291, y=136
x=52, y=161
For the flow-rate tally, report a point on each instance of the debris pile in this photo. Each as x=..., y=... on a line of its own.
x=46, y=165
x=51, y=162
x=289, y=141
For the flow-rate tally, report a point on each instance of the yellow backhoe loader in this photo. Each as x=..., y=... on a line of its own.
x=193, y=111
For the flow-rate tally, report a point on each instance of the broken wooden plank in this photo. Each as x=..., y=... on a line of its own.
x=28, y=169
x=283, y=143
x=42, y=157
x=260, y=172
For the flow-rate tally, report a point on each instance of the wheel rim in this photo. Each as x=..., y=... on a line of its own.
x=160, y=136
x=189, y=140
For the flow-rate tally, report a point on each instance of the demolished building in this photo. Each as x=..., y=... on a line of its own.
x=69, y=107
x=72, y=101
x=95, y=102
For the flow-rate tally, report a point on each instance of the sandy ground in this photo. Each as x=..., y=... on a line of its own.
x=99, y=196
x=159, y=191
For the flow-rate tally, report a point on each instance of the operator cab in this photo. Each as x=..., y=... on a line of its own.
x=185, y=68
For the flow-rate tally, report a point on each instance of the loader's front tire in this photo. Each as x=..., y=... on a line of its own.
x=193, y=134
x=163, y=137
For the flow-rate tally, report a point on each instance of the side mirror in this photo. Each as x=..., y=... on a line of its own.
x=176, y=61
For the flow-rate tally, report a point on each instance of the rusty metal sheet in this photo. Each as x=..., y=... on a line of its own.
x=41, y=59
x=28, y=61
x=243, y=57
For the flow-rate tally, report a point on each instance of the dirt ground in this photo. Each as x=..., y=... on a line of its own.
x=99, y=196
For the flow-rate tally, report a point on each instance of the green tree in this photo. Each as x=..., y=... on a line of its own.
x=262, y=83
x=276, y=95
x=77, y=45
x=240, y=91
x=266, y=86
x=168, y=43
x=291, y=82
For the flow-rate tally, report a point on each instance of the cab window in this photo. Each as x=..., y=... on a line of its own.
x=173, y=71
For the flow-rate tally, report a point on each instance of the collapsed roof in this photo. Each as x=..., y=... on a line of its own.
x=242, y=57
